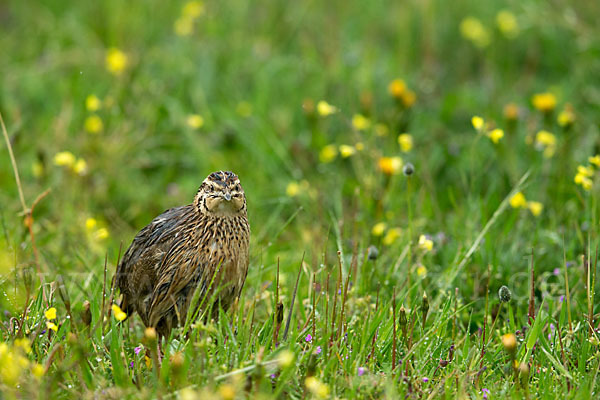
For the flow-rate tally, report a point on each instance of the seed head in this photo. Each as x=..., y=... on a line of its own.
x=408, y=169
x=504, y=294
x=372, y=252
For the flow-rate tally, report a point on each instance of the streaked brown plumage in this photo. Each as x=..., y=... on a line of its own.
x=181, y=250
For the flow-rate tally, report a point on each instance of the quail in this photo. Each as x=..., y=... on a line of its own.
x=200, y=246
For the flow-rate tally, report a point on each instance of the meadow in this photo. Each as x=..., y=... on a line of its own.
x=422, y=181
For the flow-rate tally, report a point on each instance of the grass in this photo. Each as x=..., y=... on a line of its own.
x=363, y=282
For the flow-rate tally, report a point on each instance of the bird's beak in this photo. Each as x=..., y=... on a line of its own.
x=227, y=196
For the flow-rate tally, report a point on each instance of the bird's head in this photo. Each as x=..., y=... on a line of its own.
x=221, y=194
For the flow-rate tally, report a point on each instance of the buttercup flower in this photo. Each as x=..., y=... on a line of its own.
x=347, y=151
x=477, y=122
x=316, y=387
x=421, y=270
x=360, y=122
x=390, y=165
x=64, y=158
x=80, y=167
x=595, y=160
x=292, y=189
x=507, y=23
x=566, y=117
x=378, y=229
x=511, y=111
x=324, y=108
x=495, y=135
x=425, y=243
x=116, y=61
x=118, y=313
x=391, y=236
x=518, y=200
x=93, y=103
x=50, y=313
x=535, y=207
x=544, y=102
x=328, y=153
x=405, y=141
x=473, y=30
x=396, y=88
x=547, y=142
x=195, y=121
x=286, y=358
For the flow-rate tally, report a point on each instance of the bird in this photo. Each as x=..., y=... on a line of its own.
x=200, y=246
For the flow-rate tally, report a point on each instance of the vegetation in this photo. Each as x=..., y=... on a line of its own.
x=422, y=183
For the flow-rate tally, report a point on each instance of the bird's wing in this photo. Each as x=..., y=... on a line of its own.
x=181, y=270
x=150, y=245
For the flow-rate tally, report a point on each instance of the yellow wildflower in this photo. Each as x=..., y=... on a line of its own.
x=316, y=387
x=511, y=111
x=509, y=341
x=52, y=326
x=425, y=243
x=585, y=171
x=80, y=167
x=116, y=61
x=390, y=165
x=544, y=102
x=507, y=23
x=546, y=141
x=535, y=207
x=64, y=158
x=421, y=270
x=118, y=313
x=495, y=135
x=378, y=229
x=50, y=313
x=11, y=364
x=38, y=370
x=359, y=146
x=584, y=181
x=408, y=98
x=360, y=122
x=227, y=392
x=391, y=236
x=566, y=117
x=477, y=122
x=101, y=234
x=193, y=9
x=244, y=109
x=396, y=88
x=90, y=223
x=324, y=108
x=183, y=26
x=37, y=169
x=286, y=358
x=93, y=103
x=381, y=129
x=24, y=344
x=195, y=121
x=328, y=153
x=595, y=160
x=518, y=200
x=93, y=124
x=405, y=141
x=292, y=189
x=347, y=151
x=473, y=30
